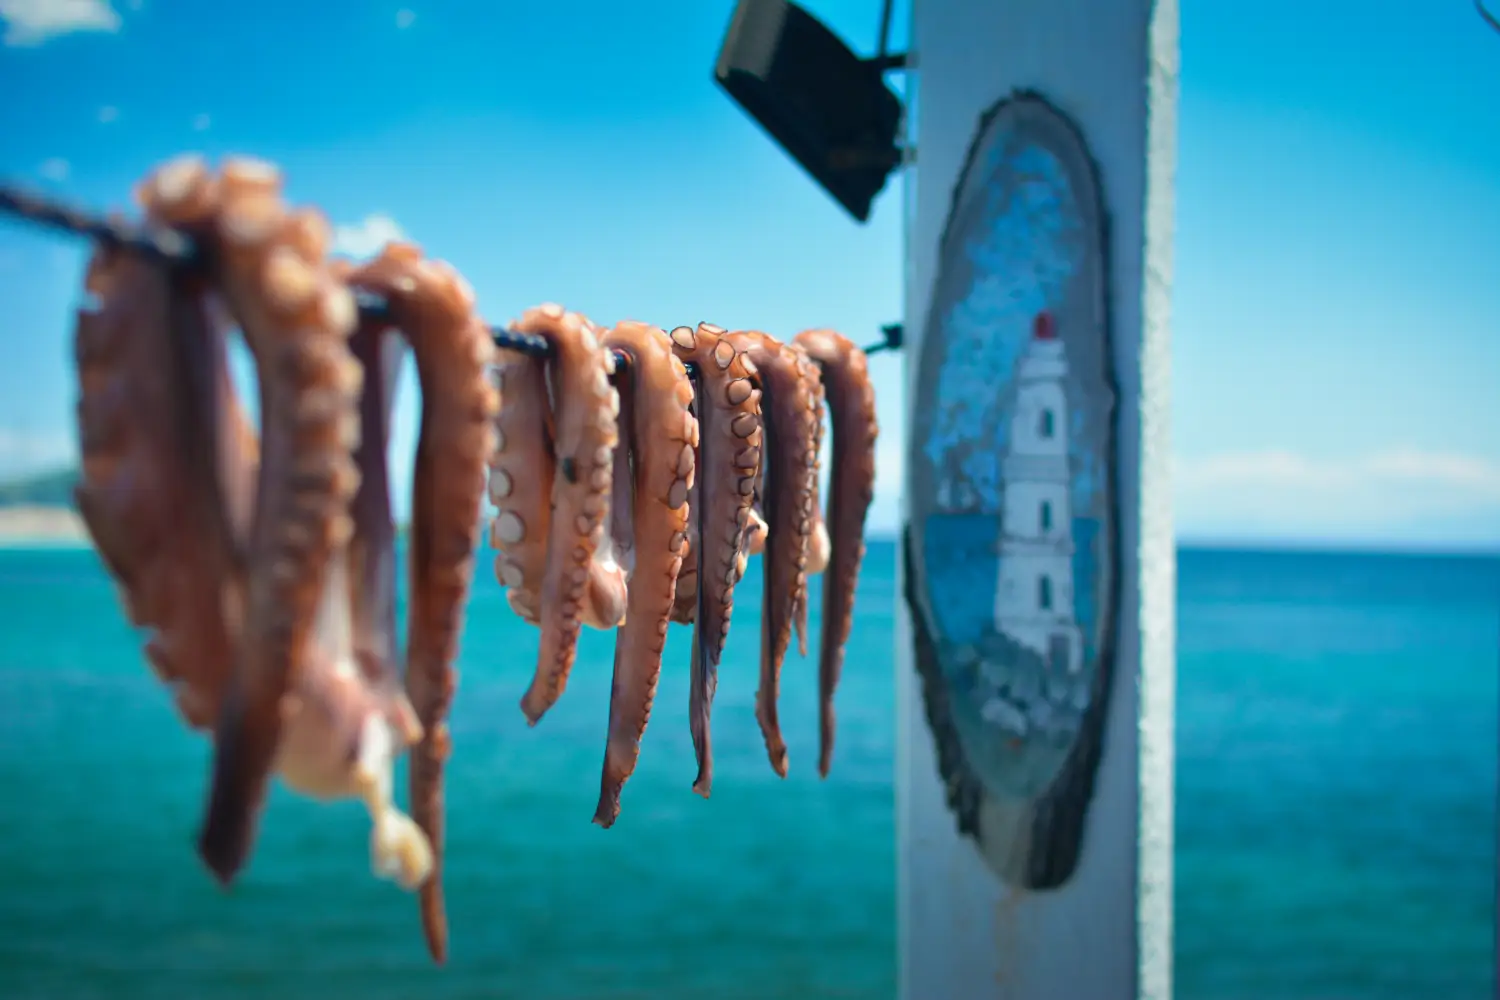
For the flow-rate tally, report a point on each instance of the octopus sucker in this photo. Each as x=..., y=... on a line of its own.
x=850, y=398
x=433, y=309
x=789, y=408
x=685, y=604
x=296, y=318
x=581, y=583
x=727, y=406
x=657, y=457
x=520, y=480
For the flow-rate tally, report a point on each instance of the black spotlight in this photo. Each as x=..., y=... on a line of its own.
x=827, y=107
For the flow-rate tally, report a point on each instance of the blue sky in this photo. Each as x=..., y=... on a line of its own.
x=1336, y=365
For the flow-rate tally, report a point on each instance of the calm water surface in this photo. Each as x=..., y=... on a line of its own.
x=1335, y=831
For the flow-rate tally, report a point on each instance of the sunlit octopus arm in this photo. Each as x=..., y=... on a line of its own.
x=581, y=583
x=789, y=408
x=655, y=469
x=850, y=397
x=728, y=409
x=432, y=307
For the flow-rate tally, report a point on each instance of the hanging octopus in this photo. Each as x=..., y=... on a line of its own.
x=850, y=397
x=262, y=566
x=621, y=547
x=752, y=391
x=818, y=367
x=634, y=473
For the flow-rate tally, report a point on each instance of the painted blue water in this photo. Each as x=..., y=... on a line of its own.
x=1335, y=833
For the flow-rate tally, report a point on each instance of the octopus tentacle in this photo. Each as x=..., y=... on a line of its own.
x=520, y=480
x=851, y=399
x=727, y=405
x=787, y=380
x=582, y=583
x=269, y=267
x=659, y=436
x=434, y=308
x=157, y=422
x=818, y=545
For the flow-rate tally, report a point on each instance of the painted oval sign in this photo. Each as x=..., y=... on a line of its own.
x=1011, y=492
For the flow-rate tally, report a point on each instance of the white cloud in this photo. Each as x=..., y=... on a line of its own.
x=201, y=123
x=367, y=237
x=1438, y=472
x=55, y=169
x=32, y=22
x=404, y=18
x=108, y=113
x=1400, y=494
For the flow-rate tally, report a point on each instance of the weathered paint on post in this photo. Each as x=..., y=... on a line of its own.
x=1034, y=863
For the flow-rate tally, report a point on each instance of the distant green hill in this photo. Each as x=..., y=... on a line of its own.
x=48, y=489
x=55, y=489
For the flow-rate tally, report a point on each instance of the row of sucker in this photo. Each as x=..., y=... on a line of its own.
x=727, y=405
x=789, y=409
x=752, y=542
x=659, y=438
x=850, y=398
x=817, y=540
x=433, y=307
x=520, y=479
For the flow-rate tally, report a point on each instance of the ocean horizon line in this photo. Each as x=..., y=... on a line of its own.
x=1298, y=545
x=1287, y=547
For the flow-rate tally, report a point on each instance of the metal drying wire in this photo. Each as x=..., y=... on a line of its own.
x=175, y=249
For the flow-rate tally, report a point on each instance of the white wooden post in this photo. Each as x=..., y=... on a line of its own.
x=1110, y=66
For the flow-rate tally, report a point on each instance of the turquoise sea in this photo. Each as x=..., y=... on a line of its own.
x=1336, y=823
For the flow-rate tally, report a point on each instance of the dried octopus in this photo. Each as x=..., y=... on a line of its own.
x=720, y=466
x=634, y=472
x=263, y=565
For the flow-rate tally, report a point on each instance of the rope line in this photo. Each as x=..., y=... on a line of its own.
x=176, y=249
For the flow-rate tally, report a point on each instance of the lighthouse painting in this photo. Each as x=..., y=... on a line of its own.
x=1010, y=541
x=1034, y=589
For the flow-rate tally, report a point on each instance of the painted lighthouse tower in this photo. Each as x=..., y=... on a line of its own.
x=1034, y=595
